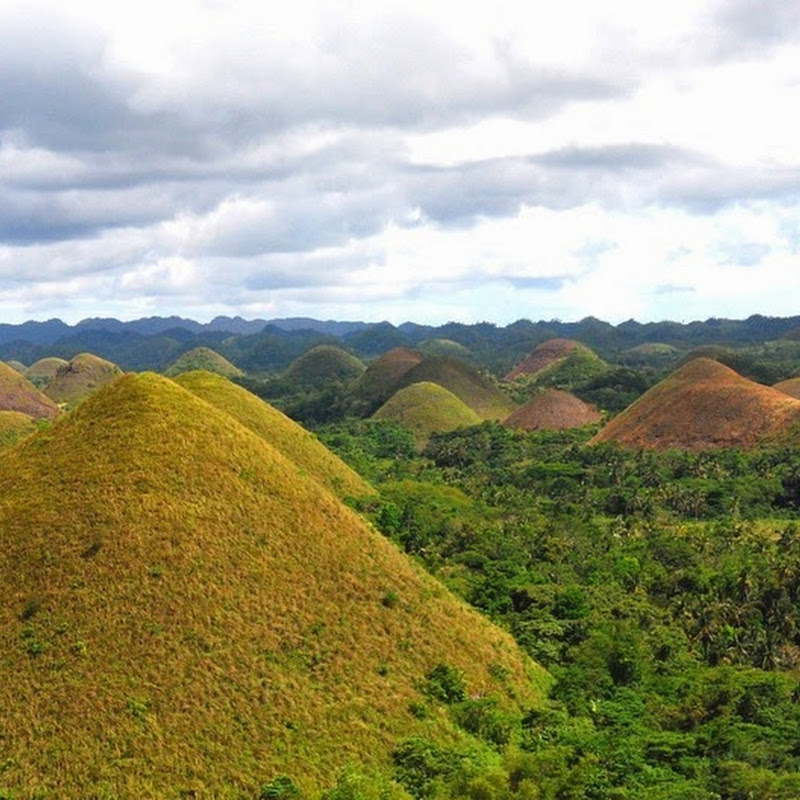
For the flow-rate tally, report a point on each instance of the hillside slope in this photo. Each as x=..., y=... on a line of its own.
x=703, y=404
x=323, y=365
x=381, y=378
x=427, y=408
x=183, y=613
x=80, y=377
x=294, y=441
x=17, y=393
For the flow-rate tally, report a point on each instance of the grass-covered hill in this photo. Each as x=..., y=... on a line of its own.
x=17, y=393
x=203, y=358
x=292, y=440
x=185, y=613
x=560, y=364
x=790, y=387
x=381, y=378
x=553, y=410
x=321, y=366
x=427, y=408
x=465, y=382
x=444, y=347
x=14, y=425
x=702, y=405
x=17, y=365
x=41, y=372
x=80, y=377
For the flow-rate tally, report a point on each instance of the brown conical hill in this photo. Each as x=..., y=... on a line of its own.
x=545, y=355
x=14, y=425
x=184, y=613
x=296, y=443
x=465, y=382
x=703, y=405
x=17, y=393
x=790, y=387
x=80, y=377
x=203, y=358
x=553, y=410
x=323, y=365
x=382, y=377
x=427, y=408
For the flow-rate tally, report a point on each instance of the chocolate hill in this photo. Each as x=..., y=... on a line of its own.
x=17, y=393
x=322, y=365
x=545, y=355
x=554, y=410
x=185, y=613
x=381, y=378
x=702, y=405
x=41, y=372
x=427, y=408
x=80, y=377
x=465, y=382
x=203, y=358
x=295, y=442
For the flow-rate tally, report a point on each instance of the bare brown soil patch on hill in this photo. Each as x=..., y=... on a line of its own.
x=703, y=405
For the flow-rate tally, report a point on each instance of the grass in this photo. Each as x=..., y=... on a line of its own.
x=382, y=377
x=206, y=359
x=17, y=393
x=14, y=425
x=427, y=408
x=41, y=372
x=296, y=443
x=261, y=645
x=322, y=365
x=77, y=379
x=701, y=405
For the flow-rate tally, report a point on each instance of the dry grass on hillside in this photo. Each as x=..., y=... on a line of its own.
x=790, y=387
x=553, y=410
x=80, y=377
x=184, y=613
x=703, y=404
x=294, y=441
x=381, y=378
x=14, y=425
x=545, y=355
x=17, y=393
x=322, y=365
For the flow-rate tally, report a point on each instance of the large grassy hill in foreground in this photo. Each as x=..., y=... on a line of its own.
x=185, y=613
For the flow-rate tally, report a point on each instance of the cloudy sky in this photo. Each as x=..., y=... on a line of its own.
x=474, y=161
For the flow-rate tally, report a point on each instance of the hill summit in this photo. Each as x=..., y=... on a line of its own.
x=553, y=410
x=702, y=405
x=185, y=613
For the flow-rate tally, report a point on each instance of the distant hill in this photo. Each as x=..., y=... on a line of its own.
x=184, y=612
x=703, y=404
x=560, y=364
x=17, y=393
x=790, y=387
x=382, y=377
x=80, y=377
x=203, y=358
x=427, y=408
x=544, y=356
x=296, y=443
x=323, y=365
x=444, y=347
x=42, y=371
x=14, y=425
x=17, y=365
x=553, y=409
x=465, y=382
